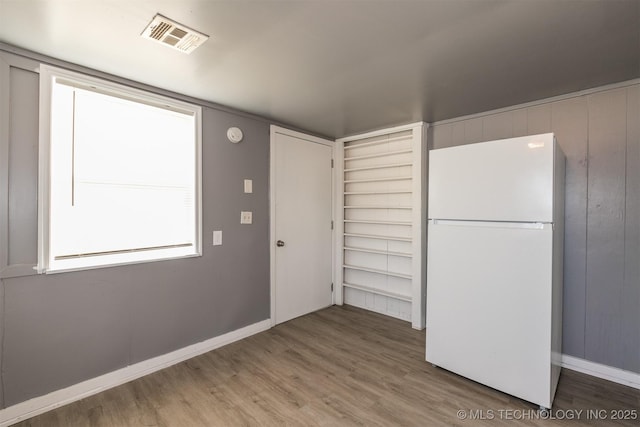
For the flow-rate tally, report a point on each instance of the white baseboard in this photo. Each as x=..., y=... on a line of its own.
x=620, y=376
x=41, y=404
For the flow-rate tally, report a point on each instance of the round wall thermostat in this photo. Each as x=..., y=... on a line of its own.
x=234, y=134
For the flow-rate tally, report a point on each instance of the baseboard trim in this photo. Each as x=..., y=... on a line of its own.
x=41, y=404
x=616, y=375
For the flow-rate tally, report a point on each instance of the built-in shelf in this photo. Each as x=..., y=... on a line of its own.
x=377, y=291
x=385, y=179
x=379, y=252
x=376, y=155
x=376, y=207
x=372, y=143
x=377, y=237
x=385, y=166
x=366, y=221
x=376, y=271
x=362, y=193
x=381, y=222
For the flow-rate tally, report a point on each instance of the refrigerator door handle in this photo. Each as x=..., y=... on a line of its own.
x=491, y=224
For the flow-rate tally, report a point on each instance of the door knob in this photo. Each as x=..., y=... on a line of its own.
x=279, y=243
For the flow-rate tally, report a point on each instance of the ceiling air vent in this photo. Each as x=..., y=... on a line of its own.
x=172, y=34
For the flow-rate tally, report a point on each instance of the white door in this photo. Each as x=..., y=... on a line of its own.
x=301, y=236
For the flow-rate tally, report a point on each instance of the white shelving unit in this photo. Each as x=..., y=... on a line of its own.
x=379, y=211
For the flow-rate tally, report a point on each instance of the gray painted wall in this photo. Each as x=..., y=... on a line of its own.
x=60, y=329
x=600, y=135
x=64, y=328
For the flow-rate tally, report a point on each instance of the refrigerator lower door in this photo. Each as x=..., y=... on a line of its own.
x=489, y=304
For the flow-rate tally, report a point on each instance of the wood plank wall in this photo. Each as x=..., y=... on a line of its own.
x=600, y=135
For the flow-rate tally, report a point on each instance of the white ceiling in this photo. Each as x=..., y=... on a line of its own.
x=341, y=67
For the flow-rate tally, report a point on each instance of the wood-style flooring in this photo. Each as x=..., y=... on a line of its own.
x=341, y=366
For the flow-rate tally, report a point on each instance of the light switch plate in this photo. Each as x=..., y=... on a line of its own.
x=217, y=237
x=248, y=186
x=246, y=217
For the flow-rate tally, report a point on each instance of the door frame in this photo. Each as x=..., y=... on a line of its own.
x=274, y=130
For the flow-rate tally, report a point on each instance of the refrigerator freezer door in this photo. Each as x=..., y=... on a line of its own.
x=489, y=305
x=505, y=180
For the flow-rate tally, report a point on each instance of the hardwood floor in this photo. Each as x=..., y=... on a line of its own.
x=339, y=366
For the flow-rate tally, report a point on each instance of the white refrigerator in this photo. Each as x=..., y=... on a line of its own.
x=494, y=264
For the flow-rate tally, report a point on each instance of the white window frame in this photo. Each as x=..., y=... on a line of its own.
x=48, y=75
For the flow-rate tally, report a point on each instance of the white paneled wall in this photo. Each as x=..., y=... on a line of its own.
x=380, y=207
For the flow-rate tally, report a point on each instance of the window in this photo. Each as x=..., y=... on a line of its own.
x=120, y=174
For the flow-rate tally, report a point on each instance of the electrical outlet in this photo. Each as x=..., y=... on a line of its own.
x=246, y=217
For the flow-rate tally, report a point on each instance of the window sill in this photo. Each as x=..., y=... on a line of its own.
x=118, y=264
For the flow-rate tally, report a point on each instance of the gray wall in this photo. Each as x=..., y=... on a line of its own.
x=60, y=329
x=600, y=135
